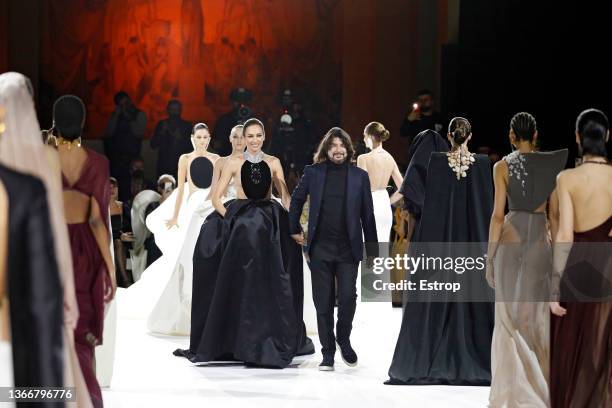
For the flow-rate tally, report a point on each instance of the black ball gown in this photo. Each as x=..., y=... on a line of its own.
x=247, y=302
x=449, y=342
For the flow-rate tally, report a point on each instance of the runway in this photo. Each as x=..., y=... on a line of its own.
x=146, y=374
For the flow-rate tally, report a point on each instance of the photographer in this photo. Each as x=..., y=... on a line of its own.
x=241, y=111
x=172, y=137
x=422, y=116
x=123, y=140
x=293, y=140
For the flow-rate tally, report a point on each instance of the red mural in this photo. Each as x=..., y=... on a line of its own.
x=194, y=50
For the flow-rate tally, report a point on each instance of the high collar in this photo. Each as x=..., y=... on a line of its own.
x=333, y=166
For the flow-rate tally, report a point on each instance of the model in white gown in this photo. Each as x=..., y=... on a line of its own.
x=163, y=293
x=381, y=167
x=172, y=312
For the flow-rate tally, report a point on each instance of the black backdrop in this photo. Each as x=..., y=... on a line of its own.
x=541, y=56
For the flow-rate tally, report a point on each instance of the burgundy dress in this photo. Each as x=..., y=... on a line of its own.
x=90, y=274
x=581, y=341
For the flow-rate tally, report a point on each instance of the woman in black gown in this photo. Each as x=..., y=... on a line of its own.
x=450, y=342
x=248, y=284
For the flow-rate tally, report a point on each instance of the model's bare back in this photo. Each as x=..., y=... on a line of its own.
x=77, y=206
x=380, y=166
x=591, y=193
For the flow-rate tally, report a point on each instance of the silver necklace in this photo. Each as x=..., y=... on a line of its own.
x=253, y=158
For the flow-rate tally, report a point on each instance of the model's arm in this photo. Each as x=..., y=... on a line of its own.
x=553, y=214
x=182, y=176
x=563, y=240
x=398, y=180
x=102, y=235
x=228, y=171
x=500, y=181
x=279, y=182
x=218, y=165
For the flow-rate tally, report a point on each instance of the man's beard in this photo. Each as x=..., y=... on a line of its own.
x=337, y=161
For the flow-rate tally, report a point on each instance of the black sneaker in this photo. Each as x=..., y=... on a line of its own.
x=327, y=364
x=348, y=354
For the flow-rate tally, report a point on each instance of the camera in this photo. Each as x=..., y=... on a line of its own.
x=242, y=97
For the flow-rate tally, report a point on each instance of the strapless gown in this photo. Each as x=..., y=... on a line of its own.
x=163, y=293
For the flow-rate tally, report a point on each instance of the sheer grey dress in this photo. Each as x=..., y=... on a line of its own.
x=522, y=266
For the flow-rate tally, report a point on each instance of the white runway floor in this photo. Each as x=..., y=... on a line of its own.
x=146, y=374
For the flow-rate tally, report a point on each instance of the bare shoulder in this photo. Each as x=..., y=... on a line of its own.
x=52, y=157
x=272, y=161
x=221, y=161
x=233, y=162
x=213, y=157
x=95, y=156
x=568, y=177
x=500, y=167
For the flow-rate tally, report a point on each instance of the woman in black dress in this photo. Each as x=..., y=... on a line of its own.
x=449, y=342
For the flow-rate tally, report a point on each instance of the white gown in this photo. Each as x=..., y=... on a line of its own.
x=172, y=313
x=163, y=293
x=382, y=214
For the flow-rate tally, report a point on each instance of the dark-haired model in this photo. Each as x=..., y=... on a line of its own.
x=443, y=342
x=248, y=279
x=581, y=332
x=190, y=204
x=519, y=266
x=85, y=179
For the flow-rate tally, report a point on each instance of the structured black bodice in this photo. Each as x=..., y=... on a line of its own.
x=201, y=170
x=256, y=179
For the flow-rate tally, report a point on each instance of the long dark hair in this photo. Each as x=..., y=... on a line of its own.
x=321, y=154
x=592, y=127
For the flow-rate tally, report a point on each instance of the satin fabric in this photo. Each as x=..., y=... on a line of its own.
x=449, y=342
x=382, y=214
x=581, y=341
x=413, y=186
x=248, y=288
x=172, y=313
x=34, y=287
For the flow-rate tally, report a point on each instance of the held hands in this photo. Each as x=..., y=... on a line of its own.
x=557, y=309
x=299, y=238
x=127, y=237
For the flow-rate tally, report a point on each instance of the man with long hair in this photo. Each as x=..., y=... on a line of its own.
x=340, y=208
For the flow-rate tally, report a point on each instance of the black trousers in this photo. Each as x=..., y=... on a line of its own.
x=324, y=275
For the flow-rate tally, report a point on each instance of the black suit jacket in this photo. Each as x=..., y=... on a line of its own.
x=359, y=207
